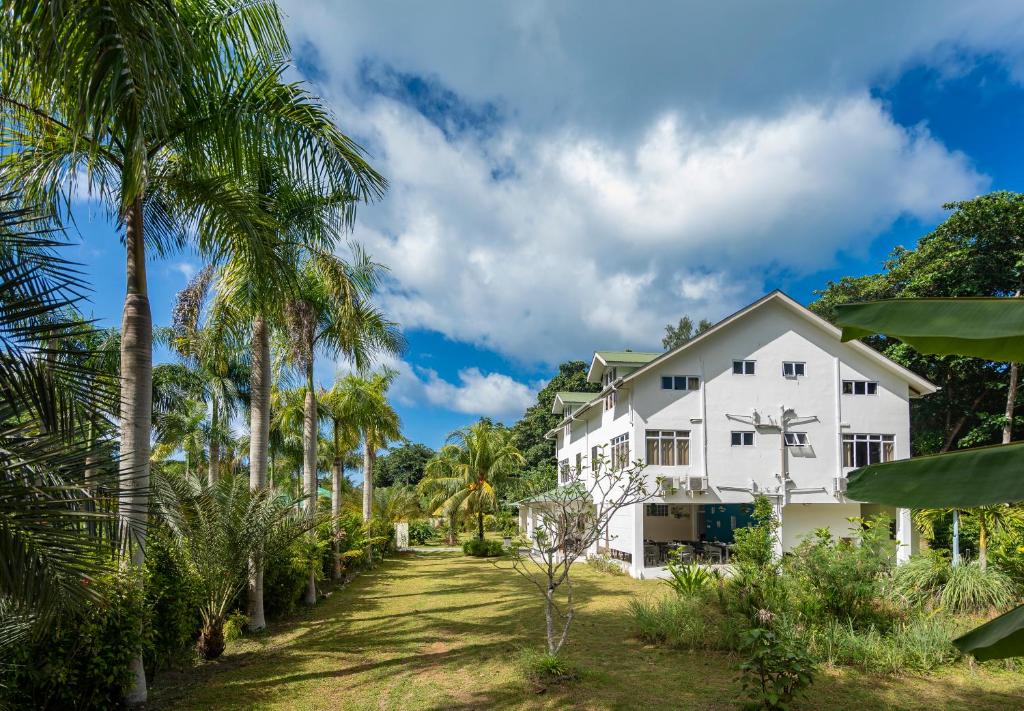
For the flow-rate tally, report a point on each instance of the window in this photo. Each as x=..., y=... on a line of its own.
x=656, y=509
x=680, y=382
x=859, y=450
x=796, y=439
x=564, y=475
x=792, y=369
x=668, y=448
x=568, y=424
x=620, y=452
x=609, y=377
x=595, y=458
x=579, y=463
x=742, y=439
x=743, y=367
x=609, y=401
x=860, y=387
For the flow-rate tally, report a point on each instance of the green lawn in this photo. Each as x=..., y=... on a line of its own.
x=441, y=631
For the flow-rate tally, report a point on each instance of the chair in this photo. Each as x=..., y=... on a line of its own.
x=650, y=556
x=713, y=552
x=687, y=554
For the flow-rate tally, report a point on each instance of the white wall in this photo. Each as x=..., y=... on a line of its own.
x=798, y=520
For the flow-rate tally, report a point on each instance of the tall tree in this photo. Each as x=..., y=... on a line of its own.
x=682, y=332
x=363, y=401
x=471, y=468
x=331, y=313
x=977, y=251
x=530, y=429
x=343, y=439
x=159, y=106
x=402, y=465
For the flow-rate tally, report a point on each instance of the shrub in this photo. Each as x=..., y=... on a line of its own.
x=421, y=532
x=932, y=580
x=604, y=564
x=490, y=522
x=690, y=579
x=844, y=579
x=776, y=670
x=692, y=622
x=483, y=549
x=284, y=581
x=754, y=546
x=173, y=598
x=83, y=662
x=234, y=625
x=548, y=668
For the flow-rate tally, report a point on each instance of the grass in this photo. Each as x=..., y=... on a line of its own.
x=445, y=631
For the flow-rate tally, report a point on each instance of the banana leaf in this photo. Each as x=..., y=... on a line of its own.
x=1001, y=638
x=981, y=327
x=960, y=479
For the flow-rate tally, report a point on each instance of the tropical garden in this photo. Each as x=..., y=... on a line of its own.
x=159, y=520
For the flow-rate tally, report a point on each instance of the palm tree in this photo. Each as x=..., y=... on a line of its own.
x=331, y=313
x=344, y=438
x=56, y=472
x=364, y=404
x=161, y=106
x=467, y=471
x=223, y=529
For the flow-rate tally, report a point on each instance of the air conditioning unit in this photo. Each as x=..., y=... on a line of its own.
x=840, y=484
x=697, y=484
x=669, y=486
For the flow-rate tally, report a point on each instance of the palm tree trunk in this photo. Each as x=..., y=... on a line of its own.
x=136, y=411
x=213, y=472
x=259, y=433
x=309, y=441
x=367, y=480
x=336, y=474
x=480, y=524
x=1011, y=403
x=982, y=541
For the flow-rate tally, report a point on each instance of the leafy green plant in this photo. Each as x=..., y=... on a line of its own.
x=690, y=579
x=234, y=625
x=173, y=597
x=775, y=670
x=844, y=579
x=421, y=532
x=284, y=581
x=83, y=661
x=544, y=668
x=604, y=564
x=483, y=548
x=932, y=580
x=755, y=545
x=921, y=645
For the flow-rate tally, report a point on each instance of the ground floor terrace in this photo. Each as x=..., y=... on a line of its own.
x=443, y=631
x=645, y=537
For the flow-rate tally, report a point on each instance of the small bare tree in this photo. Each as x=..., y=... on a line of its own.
x=574, y=516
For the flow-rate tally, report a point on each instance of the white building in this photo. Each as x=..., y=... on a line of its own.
x=707, y=415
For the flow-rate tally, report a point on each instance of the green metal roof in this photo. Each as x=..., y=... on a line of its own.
x=637, y=357
x=575, y=398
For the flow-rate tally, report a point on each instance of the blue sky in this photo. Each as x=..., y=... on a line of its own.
x=572, y=176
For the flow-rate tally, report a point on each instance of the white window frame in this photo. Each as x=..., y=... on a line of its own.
x=564, y=473
x=886, y=448
x=870, y=387
x=609, y=400
x=620, y=452
x=656, y=510
x=679, y=442
x=743, y=438
x=690, y=383
x=747, y=367
x=798, y=369
x=796, y=439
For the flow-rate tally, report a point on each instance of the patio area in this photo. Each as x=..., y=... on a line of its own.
x=690, y=533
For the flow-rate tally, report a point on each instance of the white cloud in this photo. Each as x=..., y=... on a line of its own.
x=186, y=269
x=476, y=393
x=566, y=177
x=593, y=244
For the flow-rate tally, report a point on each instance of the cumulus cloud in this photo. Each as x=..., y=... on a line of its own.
x=595, y=244
x=476, y=393
x=566, y=178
